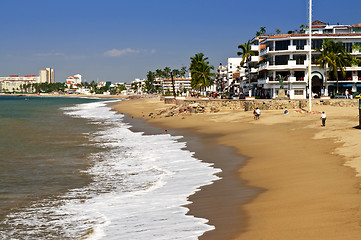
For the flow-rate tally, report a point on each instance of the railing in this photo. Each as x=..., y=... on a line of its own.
x=263, y=66
x=291, y=48
x=254, y=58
x=264, y=51
x=292, y=79
x=291, y=62
x=255, y=48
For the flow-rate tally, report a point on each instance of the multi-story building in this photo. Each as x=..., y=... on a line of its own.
x=221, y=78
x=180, y=84
x=287, y=56
x=73, y=81
x=47, y=75
x=15, y=83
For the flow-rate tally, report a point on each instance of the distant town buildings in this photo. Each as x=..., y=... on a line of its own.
x=15, y=83
x=47, y=75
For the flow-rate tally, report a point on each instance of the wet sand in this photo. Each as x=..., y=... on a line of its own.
x=295, y=171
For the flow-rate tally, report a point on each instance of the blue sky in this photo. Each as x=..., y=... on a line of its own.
x=120, y=40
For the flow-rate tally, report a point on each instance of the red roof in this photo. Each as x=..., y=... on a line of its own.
x=318, y=23
x=323, y=34
x=357, y=25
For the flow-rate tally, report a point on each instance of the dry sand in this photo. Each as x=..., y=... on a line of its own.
x=304, y=174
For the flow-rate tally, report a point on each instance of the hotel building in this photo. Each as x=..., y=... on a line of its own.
x=287, y=55
x=15, y=83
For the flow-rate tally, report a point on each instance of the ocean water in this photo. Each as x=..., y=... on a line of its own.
x=72, y=169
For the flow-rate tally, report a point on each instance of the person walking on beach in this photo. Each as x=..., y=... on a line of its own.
x=258, y=113
x=323, y=119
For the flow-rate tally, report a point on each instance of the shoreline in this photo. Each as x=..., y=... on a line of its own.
x=301, y=166
x=216, y=195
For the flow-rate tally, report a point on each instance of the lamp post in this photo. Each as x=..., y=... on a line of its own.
x=310, y=56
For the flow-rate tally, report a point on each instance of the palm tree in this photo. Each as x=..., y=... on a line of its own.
x=201, y=72
x=302, y=26
x=340, y=59
x=159, y=73
x=202, y=76
x=149, y=83
x=166, y=72
x=246, y=58
x=325, y=60
x=183, y=71
x=262, y=30
x=278, y=31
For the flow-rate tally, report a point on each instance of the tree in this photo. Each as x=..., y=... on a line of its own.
x=149, y=83
x=262, y=30
x=302, y=30
x=340, y=59
x=246, y=58
x=325, y=59
x=278, y=31
x=201, y=72
x=183, y=71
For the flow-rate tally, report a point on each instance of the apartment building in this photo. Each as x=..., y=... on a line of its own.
x=287, y=56
x=180, y=84
x=15, y=83
x=47, y=75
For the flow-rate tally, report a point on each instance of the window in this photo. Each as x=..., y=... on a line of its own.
x=347, y=46
x=300, y=44
x=269, y=45
x=281, y=60
x=317, y=43
x=300, y=59
x=300, y=75
x=299, y=92
x=282, y=45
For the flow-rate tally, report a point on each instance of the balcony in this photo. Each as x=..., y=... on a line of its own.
x=307, y=48
x=255, y=48
x=292, y=63
x=263, y=80
x=254, y=58
x=292, y=79
x=264, y=51
x=263, y=66
x=292, y=48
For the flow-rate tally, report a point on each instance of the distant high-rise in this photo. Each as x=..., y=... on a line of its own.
x=47, y=75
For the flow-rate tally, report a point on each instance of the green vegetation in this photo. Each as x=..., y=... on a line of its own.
x=334, y=55
x=246, y=58
x=201, y=72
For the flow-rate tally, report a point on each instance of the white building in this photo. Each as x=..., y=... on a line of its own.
x=180, y=84
x=47, y=75
x=287, y=56
x=74, y=81
x=16, y=83
x=221, y=78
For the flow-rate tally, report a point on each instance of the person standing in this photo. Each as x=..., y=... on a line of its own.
x=258, y=113
x=323, y=119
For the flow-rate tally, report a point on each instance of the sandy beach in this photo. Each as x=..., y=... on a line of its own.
x=284, y=176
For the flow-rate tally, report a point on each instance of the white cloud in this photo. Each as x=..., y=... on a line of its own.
x=120, y=52
x=49, y=54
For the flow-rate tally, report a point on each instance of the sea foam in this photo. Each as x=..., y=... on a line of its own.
x=140, y=184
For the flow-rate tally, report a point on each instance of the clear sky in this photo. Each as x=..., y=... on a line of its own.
x=120, y=40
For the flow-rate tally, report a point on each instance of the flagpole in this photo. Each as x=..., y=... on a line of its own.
x=310, y=56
